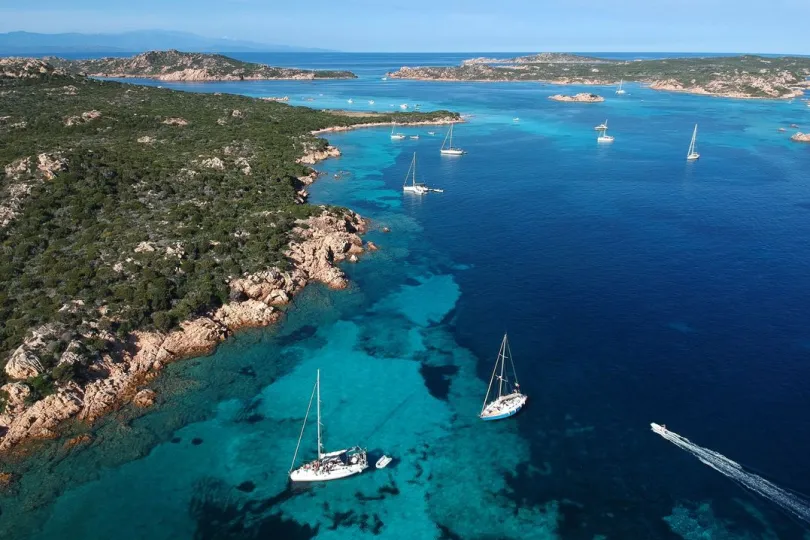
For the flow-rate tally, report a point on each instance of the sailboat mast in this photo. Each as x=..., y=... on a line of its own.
x=318, y=385
x=489, y=388
x=413, y=181
x=502, y=359
x=451, y=136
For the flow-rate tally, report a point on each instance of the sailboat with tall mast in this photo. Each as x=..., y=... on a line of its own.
x=691, y=154
x=621, y=90
x=448, y=149
x=509, y=399
x=396, y=136
x=413, y=186
x=329, y=465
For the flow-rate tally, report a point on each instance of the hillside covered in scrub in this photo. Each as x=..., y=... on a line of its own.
x=174, y=65
x=140, y=224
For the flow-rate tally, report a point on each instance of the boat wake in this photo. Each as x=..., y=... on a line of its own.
x=793, y=503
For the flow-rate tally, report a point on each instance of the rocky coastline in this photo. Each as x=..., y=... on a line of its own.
x=122, y=375
x=800, y=137
x=740, y=77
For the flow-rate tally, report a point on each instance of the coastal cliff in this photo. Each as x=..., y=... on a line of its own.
x=174, y=65
x=745, y=76
x=182, y=218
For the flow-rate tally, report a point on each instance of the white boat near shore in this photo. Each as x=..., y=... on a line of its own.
x=329, y=465
x=396, y=136
x=448, y=149
x=601, y=127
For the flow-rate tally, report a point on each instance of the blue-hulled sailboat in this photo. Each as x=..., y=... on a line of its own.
x=505, y=404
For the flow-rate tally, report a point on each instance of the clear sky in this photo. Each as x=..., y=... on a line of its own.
x=767, y=26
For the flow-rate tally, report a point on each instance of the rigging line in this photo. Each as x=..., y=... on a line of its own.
x=297, y=446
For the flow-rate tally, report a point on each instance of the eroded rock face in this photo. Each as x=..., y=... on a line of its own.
x=41, y=420
x=16, y=392
x=144, y=398
x=50, y=164
x=23, y=364
x=83, y=118
x=312, y=155
x=326, y=240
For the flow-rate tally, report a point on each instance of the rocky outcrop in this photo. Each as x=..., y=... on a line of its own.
x=583, y=97
x=20, y=179
x=26, y=68
x=313, y=155
x=83, y=118
x=800, y=137
x=325, y=240
x=175, y=122
x=42, y=419
x=51, y=164
x=16, y=393
x=144, y=398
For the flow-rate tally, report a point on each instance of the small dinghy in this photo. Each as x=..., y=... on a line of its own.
x=384, y=461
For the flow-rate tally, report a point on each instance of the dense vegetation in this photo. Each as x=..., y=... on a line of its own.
x=164, y=63
x=746, y=76
x=204, y=184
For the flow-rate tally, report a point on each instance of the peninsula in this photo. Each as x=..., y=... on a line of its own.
x=140, y=225
x=174, y=65
x=744, y=76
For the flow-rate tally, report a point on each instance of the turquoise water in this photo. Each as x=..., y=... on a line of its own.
x=635, y=286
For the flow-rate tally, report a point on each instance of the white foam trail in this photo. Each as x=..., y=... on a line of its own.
x=789, y=501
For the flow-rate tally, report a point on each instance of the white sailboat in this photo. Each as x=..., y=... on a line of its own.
x=506, y=404
x=620, y=90
x=448, y=149
x=396, y=136
x=691, y=154
x=350, y=100
x=602, y=126
x=604, y=137
x=329, y=465
x=413, y=187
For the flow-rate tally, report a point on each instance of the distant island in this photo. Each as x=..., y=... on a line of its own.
x=583, y=97
x=744, y=76
x=28, y=43
x=173, y=65
x=140, y=225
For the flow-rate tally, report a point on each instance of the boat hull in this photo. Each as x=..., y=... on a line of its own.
x=332, y=466
x=693, y=157
x=452, y=152
x=300, y=475
x=504, y=407
x=418, y=190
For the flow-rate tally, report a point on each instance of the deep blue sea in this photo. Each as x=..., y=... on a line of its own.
x=636, y=287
